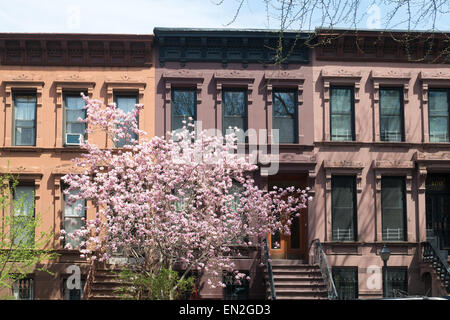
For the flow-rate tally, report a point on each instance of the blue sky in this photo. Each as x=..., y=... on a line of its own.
x=135, y=16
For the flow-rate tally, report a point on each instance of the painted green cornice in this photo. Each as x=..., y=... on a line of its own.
x=230, y=46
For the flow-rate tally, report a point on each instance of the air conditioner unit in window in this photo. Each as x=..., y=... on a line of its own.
x=73, y=139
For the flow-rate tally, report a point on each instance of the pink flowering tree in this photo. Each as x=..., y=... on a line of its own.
x=184, y=201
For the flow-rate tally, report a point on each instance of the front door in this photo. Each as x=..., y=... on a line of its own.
x=291, y=246
x=438, y=209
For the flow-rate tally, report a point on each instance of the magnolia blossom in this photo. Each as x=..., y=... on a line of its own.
x=187, y=200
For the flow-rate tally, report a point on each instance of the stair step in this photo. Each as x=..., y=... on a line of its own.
x=288, y=262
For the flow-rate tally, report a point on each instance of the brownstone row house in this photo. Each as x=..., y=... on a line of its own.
x=359, y=122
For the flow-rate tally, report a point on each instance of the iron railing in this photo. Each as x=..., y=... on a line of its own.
x=268, y=264
x=432, y=256
x=87, y=289
x=321, y=259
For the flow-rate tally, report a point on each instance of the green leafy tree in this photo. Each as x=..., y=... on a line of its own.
x=22, y=251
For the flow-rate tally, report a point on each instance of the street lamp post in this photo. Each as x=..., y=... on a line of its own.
x=385, y=253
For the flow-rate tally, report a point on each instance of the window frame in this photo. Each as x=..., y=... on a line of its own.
x=402, y=111
x=355, y=209
x=352, y=107
x=33, y=186
x=386, y=278
x=245, y=118
x=296, y=116
x=447, y=91
x=128, y=94
x=65, y=242
x=65, y=94
x=335, y=269
x=65, y=289
x=182, y=88
x=32, y=289
x=25, y=92
x=404, y=213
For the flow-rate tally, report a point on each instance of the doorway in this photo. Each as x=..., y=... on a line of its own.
x=438, y=209
x=293, y=246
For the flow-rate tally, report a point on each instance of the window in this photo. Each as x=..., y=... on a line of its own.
x=73, y=219
x=285, y=115
x=23, y=289
x=342, y=114
x=393, y=208
x=23, y=232
x=343, y=206
x=183, y=107
x=74, y=109
x=73, y=294
x=235, y=290
x=234, y=111
x=397, y=281
x=438, y=115
x=126, y=103
x=24, y=119
x=346, y=282
x=391, y=114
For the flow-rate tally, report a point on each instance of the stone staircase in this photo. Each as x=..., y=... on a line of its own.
x=105, y=281
x=296, y=280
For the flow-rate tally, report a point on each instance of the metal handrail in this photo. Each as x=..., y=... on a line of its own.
x=273, y=294
x=321, y=259
x=431, y=255
x=89, y=280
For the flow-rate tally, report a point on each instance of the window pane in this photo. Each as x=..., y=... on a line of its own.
x=127, y=104
x=70, y=226
x=391, y=115
x=23, y=289
x=183, y=106
x=346, y=282
x=397, y=281
x=438, y=114
x=73, y=294
x=341, y=114
x=343, y=209
x=233, y=289
x=285, y=115
x=74, y=102
x=25, y=116
x=392, y=206
x=24, y=200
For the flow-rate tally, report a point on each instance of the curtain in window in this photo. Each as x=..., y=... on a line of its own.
x=25, y=116
x=438, y=115
x=74, y=110
x=127, y=104
x=392, y=207
x=341, y=109
x=183, y=107
x=23, y=228
x=73, y=219
x=284, y=113
x=234, y=110
x=391, y=115
x=343, y=210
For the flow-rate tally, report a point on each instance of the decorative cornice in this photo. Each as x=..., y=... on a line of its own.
x=390, y=75
x=392, y=164
x=233, y=75
x=340, y=73
x=228, y=46
x=343, y=164
x=442, y=156
x=183, y=74
x=75, y=49
x=427, y=76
